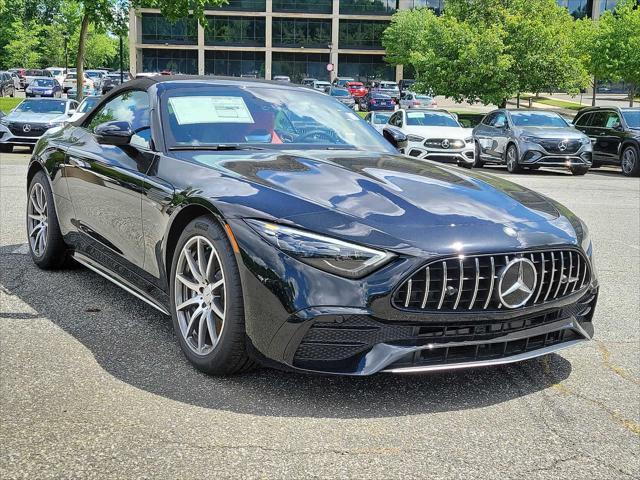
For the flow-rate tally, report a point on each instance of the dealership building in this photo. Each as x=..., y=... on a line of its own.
x=297, y=38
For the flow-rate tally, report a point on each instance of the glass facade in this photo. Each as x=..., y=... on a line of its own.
x=368, y=7
x=174, y=60
x=157, y=29
x=248, y=31
x=363, y=34
x=301, y=32
x=436, y=5
x=578, y=8
x=607, y=5
x=300, y=65
x=242, y=6
x=302, y=6
x=234, y=64
x=365, y=67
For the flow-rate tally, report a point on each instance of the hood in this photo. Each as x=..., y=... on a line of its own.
x=389, y=201
x=439, y=132
x=36, y=117
x=550, y=132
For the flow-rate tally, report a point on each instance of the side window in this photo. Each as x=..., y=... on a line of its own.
x=368, y=118
x=599, y=119
x=613, y=120
x=132, y=107
x=498, y=118
x=394, y=119
x=583, y=121
x=488, y=119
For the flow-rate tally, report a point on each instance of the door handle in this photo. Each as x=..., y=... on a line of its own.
x=75, y=161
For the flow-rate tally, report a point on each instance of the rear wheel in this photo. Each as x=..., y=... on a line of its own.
x=630, y=161
x=46, y=245
x=512, y=159
x=579, y=170
x=206, y=300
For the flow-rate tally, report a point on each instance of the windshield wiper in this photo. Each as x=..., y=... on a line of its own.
x=217, y=147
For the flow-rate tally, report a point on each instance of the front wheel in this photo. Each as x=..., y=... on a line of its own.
x=630, y=161
x=478, y=163
x=46, y=245
x=579, y=170
x=206, y=300
x=513, y=166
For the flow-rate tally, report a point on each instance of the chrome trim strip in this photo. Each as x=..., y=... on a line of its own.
x=553, y=273
x=426, y=288
x=460, y=283
x=444, y=284
x=408, y=297
x=555, y=295
x=584, y=275
x=493, y=274
x=84, y=262
x=542, y=260
x=566, y=287
x=475, y=288
x=486, y=363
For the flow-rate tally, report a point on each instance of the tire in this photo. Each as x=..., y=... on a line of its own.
x=47, y=249
x=579, y=170
x=222, y=305
x=511, y=159
x=6, y=148
x=465, y=165
x=478, y=163
x=630, y=161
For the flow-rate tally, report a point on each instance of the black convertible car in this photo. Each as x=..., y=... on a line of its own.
x=277, y=227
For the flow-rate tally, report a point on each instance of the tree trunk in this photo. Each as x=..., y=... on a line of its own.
x=518, y=100
x=593, y=94
x=82, y=46
x=632, y=93
x=503, y=104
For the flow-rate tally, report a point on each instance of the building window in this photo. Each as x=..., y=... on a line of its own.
x=436, y=5
x=247, y=31
x=300, y=65
x=157, y=29
x=365, y=68
x=234, y=64
x=241, y=6
x=368, y=7
x=172, y=60
x=361, y=34
x=303, y=6
x=301, y=32
x=577, y=8
x=607, y=5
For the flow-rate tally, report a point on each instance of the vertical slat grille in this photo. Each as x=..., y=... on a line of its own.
x=471, y=282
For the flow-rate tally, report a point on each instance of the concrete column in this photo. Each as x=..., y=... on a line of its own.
x=335, y=38
x=399, y=72
x=200, y=49
x=268, y=29
x=134, y=37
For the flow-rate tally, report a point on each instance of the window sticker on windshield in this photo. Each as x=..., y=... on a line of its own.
x=415, y=114
x=210, y=109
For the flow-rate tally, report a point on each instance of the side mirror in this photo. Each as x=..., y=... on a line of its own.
x=71, y=112
x=114, y=133
x=395, y=137
x=500, y=125
x=618, y=127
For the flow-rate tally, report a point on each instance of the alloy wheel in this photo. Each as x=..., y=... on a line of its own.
x=37, y=222
x=200, y=294
x=628, y=160
x=511, y=159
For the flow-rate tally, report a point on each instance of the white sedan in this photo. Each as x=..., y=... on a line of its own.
x=435, y=135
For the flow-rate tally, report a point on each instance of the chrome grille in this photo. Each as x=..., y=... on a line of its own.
x=454, y=143
x=553, y=146
x=470, y=282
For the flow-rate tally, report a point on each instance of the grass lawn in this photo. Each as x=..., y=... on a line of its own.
x=7, y=103
x=553, y=102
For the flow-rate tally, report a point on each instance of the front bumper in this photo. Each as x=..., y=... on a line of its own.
x=460, y=155
x=292, y=320
x=9, y=137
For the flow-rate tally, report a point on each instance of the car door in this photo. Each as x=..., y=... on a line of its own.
x=604, y=138
x=105, y=183
x=483, y=134
x=500, y=132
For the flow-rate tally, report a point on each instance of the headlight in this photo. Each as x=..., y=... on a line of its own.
x=328, y=254
x=56, y=124
x=48, y=92
x=585, y=140
x=4, y=121
x=530, y=139
x=468, y=140
x=415, y=138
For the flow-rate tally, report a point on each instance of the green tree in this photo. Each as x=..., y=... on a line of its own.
x=487, y=50
x=23, y=48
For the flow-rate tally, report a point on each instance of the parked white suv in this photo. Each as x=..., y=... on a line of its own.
x=71, y=79
x=435, y=135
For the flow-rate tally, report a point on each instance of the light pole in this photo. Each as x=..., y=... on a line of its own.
x=66, y=52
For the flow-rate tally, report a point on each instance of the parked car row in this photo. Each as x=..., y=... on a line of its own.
x=94, y=80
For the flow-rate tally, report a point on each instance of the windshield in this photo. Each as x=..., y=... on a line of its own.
x=389, y=86
x=42, y=82
x=381, y=118
x=42, y=106
x=424, y=97
x=537, y=119
x=261, y=115
x=431, y=119
x=87, y=104
x=632, y=117
x=340, y=92
x=56, y=71
x=71, y=76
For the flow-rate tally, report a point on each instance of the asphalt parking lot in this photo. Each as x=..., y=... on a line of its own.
x=93, y=384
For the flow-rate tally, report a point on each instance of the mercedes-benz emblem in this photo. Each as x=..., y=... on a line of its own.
x=26, y=128
x=445, y=143
x=517, y=282
x=562, y=146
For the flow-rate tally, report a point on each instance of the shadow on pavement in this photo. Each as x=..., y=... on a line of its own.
x=136, y=344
